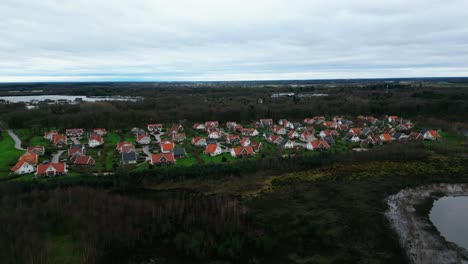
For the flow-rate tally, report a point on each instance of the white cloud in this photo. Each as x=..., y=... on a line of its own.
x=80, y=40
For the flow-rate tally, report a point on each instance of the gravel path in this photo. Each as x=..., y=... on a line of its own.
x=417, y=236
x=16, y=139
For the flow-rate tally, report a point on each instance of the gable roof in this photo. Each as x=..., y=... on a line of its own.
x=19, y=164
x=319, y=143
x=121, y=144
x=211, y=148
x=243, y=151
x=59, y=167
x=129, y=156
x=179, y=151
x=96, y=137
x=83, y=160
x=162, y=158
x=59, y=138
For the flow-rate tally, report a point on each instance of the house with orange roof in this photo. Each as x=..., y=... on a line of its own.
x=242, y=152
x=162, y=159
x=386, y=138
x=432, y=135
x=319, y=144
x=199, y=141
x=95, y=140
x=167, y=146
x=213, y=150
x=60, y=141
x=51, y=169
x=22, y=167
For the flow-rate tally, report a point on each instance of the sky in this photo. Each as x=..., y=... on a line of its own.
x=220, y=40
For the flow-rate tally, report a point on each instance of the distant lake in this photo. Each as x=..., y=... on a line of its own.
x=450, y=216
x=71, y=98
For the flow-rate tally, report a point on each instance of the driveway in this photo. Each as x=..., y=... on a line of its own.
x=75, y=140
x=56, y=156
x=16, y=139
x=146, y=150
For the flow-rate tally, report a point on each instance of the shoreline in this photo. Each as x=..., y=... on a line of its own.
x=419, y=238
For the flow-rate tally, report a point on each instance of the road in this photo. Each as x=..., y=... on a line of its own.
x=146, y=150
x=75, y=140
x=16, y=139
x=56, y=156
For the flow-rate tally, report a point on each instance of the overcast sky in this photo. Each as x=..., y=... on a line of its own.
x=184, y=40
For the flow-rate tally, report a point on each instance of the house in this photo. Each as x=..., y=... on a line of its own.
x=350, y=137
x=74, y=132
x=393, y=119
x=330, y=124
x=403, y=127
x=198, y=126
x=162, y=159
x=355, y=131
x=256, y=146
x=213, y=149
x=233, y=139
x=179, y=137
x=238, y=128
x=95, y=140
x=319, y=144
x=143, y=139
x=288, y=125
x=199, y=141
x=266, y=122
x=249, y=132
x=122, y=144
x=211, y=124
x=215, y=134
x=180, y=153
x=60, y=141
x=30, y=157
x=22, y=167
x=293, y=134
x=39, y=150
x=388, y=130
x=431, y=135
x=175, y=128
x=231, y=125
x=307, y=137
x=83, y=161
x=242, y=152
x=129, y=156
x=374, y=140
x=399, y=136
x=52, y=169
x=309, y=129
x=330, y=140
x=279, y=130
x=211, y=141
x=277, y=139
x=155, y=128
x=343, y=127
x=245, y=141
x=386, y=138
x=286, y=143
x=416, y=136
x=77, y=149
x=328, y=132
x=167, y=146
x=309, y=121
x=366, y=132
x=50, y=135
x=319, y=119
x=100, y=131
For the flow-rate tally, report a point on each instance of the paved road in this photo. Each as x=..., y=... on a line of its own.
x=16, y=139
x=56, y=156
x=75, y=140
x=148, y=153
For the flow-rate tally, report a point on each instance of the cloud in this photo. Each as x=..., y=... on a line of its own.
x=84, y=40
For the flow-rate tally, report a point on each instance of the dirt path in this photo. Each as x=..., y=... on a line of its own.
x=16, y=139
x=421, y=241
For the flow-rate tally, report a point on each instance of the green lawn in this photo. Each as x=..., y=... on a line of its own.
x=8, y=154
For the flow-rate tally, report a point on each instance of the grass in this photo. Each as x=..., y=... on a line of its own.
x=64, y=249
x=8, y=154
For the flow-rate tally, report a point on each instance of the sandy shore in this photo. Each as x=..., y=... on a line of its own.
x=422, y=243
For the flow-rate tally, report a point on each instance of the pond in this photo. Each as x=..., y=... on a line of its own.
x=450, y=216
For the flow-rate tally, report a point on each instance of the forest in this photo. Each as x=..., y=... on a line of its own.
x=325, y=208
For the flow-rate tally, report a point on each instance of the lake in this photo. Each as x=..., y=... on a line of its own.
x=450, y=216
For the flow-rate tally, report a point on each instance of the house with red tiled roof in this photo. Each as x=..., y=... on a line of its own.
x=266, y=122
x=386, y=138
x=432, y=135
x=74, y=132
x=328, y=132
x=60, y=141
x=355, y=131
x=179, y=137
x=211, y=124
x=293, y=134
x=100, y=131
x=39, y=150
x=242, y=152
x=249, y=132
x=308, y=121
x=22, y=167
x=83, y=161
x=30, y=157
x=307, y=137
x=256, y=146
x=213, y=149
x=279, y=130
x=199, y=141
x=393, y=119
x=231, y=125
x=52, y=169
x=162, y=159
x=416, y=136
x=50, y=135
x=198, y=126
x=319, y=144
x=374, y=140
x=120, y=145
x=144, y=139
x=245, y=141
x=95, y=140
x=215, y=134
x=154, y=127
x=233, y=139
x=167, y=147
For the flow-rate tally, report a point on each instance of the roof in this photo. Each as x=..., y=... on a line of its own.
x=162, y=158
x=179, y=151
x=121, y=144
x=74, y=151
x=59, y=137
x=386, y=137
x=129, y=156
x=83, y=160
x=243, y=140
x=36, y=148
x=167, y=146
x=283, y=142
x=59, y=167
x=277, y=128
x=211, y=148
x=320, y=143
x=96, y=137
x=141, y=137
x=128, y=148
x=242, y=151
x=29, y=157
x=434, y=134
x=18, y=165
x=195, y=140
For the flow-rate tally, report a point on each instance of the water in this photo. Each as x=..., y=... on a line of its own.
x=450, y=216
x=29, y=98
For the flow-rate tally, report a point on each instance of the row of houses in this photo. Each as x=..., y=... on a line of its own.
x=28, y=163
